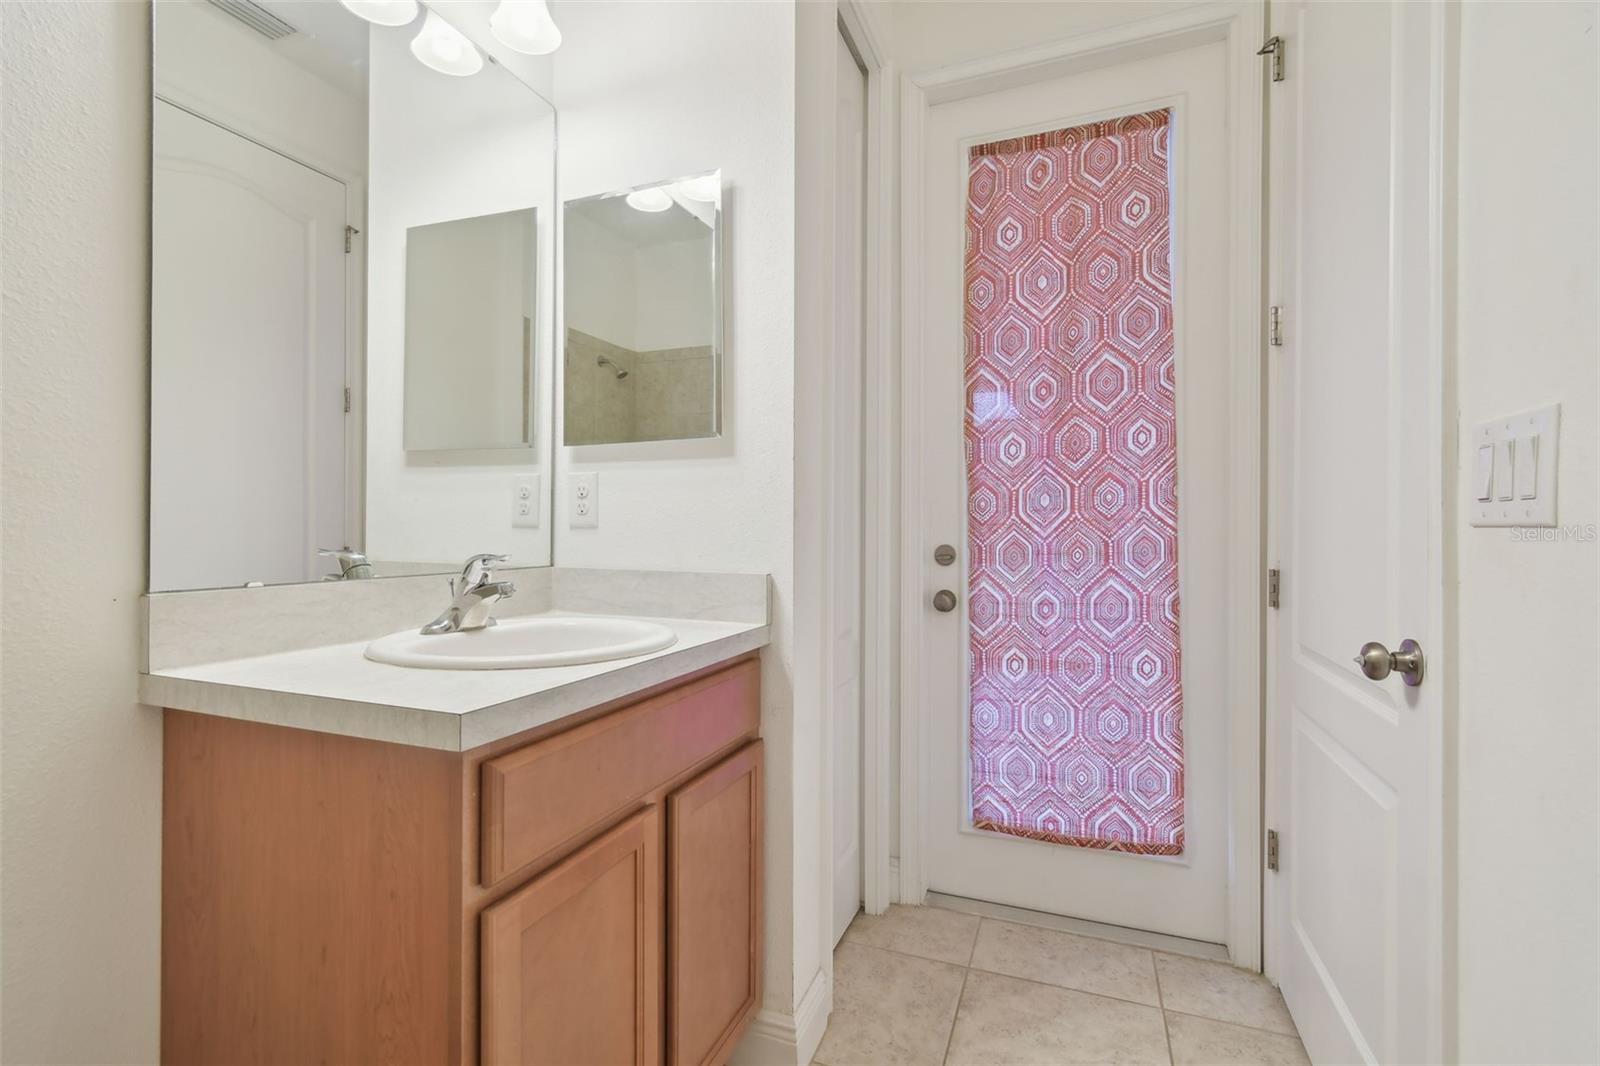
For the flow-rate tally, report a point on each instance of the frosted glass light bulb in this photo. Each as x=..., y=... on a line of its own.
x=525, y=26
x=649, y=200
x=383, y=12
x=444, y=48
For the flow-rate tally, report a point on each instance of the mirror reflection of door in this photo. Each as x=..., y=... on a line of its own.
x=471, y=304
x=248, y=302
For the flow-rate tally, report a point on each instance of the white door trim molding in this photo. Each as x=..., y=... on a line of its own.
x=880, y=409
x=1240, y=25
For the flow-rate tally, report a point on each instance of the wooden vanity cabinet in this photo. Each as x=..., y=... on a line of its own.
x=588, y=892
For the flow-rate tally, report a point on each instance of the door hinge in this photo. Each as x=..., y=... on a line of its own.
x=1274, y=48
x=1274, y=578
x=1275, y=326
x=347, y=399
x=349, y=232
x=1272, y=850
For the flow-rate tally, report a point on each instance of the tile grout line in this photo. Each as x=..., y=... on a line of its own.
x=950, y=1037
x=1237, y=1025
x=1128, y=941
x=1081, y=991
x=1161, y=1001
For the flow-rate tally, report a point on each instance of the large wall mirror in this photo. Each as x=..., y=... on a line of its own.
x=352, y=302
x=642, y=299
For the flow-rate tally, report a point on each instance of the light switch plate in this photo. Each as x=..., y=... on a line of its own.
x=525, y=501
x=583, y=500
x=1528, y=441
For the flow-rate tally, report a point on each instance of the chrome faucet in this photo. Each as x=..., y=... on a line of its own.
x=353, y=566
x=472, y=593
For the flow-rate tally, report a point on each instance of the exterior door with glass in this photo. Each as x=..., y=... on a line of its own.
x=1073, y=406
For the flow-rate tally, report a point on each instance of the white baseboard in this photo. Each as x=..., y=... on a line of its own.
x=779, y=1039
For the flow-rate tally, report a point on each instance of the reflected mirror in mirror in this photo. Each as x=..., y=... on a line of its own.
x=643, y=313
x=471, y=303
x=351, y=298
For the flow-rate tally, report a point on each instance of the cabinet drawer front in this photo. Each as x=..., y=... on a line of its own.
x=571, y=964
x=554, y=793
x=714, y=909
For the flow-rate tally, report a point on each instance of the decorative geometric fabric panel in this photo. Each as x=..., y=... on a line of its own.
x=1071, y=449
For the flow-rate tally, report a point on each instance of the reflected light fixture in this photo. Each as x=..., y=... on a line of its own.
x=657, y=199
x=707, y=188
x=525, y=26
x=383, y=12
x=445, y=48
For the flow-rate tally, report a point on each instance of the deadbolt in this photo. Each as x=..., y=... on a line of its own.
x=944, y=600
x=1378, y=662
x=944, y=555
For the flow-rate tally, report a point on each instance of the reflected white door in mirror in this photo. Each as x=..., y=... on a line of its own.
x=352, y=299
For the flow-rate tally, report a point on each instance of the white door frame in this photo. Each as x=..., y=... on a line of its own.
x=1239, y=24
x=881, y=452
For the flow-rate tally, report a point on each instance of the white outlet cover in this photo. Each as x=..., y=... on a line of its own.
x=583, y=500
x=1544, y=423
x=525, y=501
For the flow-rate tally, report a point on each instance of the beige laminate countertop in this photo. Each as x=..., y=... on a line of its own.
x=336, y=689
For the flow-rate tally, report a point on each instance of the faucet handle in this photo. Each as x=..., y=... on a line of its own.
x=478, y=569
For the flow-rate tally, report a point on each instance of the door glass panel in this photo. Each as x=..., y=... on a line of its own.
x=1071, y=452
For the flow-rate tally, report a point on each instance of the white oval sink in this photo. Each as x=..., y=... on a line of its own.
x=520, y=643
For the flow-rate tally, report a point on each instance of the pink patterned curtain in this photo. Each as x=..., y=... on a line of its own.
x=1076, y=708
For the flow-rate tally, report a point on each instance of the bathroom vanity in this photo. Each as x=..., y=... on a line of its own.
x=388, y=839
x=570, y=874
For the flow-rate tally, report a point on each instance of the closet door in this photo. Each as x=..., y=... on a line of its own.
x=714, y=909
x=572, y=963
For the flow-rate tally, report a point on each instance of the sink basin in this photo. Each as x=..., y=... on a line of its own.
x=520, y=643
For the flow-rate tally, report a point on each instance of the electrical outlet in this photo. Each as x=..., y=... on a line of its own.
x=525, y=502
x=583, y=500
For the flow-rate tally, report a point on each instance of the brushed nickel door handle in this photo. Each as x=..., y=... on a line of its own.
x=944, y=600
x=1378, y=662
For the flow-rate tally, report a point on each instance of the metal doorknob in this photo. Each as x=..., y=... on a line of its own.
x=1378, y=662
x=944, y=600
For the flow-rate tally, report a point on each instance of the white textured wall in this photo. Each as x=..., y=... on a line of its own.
x=1528, y=747
x=648, y=91
x=80, y=761
x=924, y=34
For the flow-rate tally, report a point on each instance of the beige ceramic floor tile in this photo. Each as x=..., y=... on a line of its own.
x=889, y=1008
x=1004, y=1021
x=1226, y=993
x=1069, y=961
x=1203, y=1042
x=928, y=932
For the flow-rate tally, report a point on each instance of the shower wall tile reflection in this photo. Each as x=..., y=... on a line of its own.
x=664, y=394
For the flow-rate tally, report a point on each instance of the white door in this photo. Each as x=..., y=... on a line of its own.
x=845, y=550
x=1355, y=453
x=248, y=360
x=1075, y=361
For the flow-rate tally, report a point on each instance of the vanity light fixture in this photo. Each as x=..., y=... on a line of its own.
x=657, y=199
x=446, y=49
x=707, y=188
x=525, y=26
x=384, y=12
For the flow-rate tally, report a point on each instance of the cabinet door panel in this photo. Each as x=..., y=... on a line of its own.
x=714, y=908
x=571, y=964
